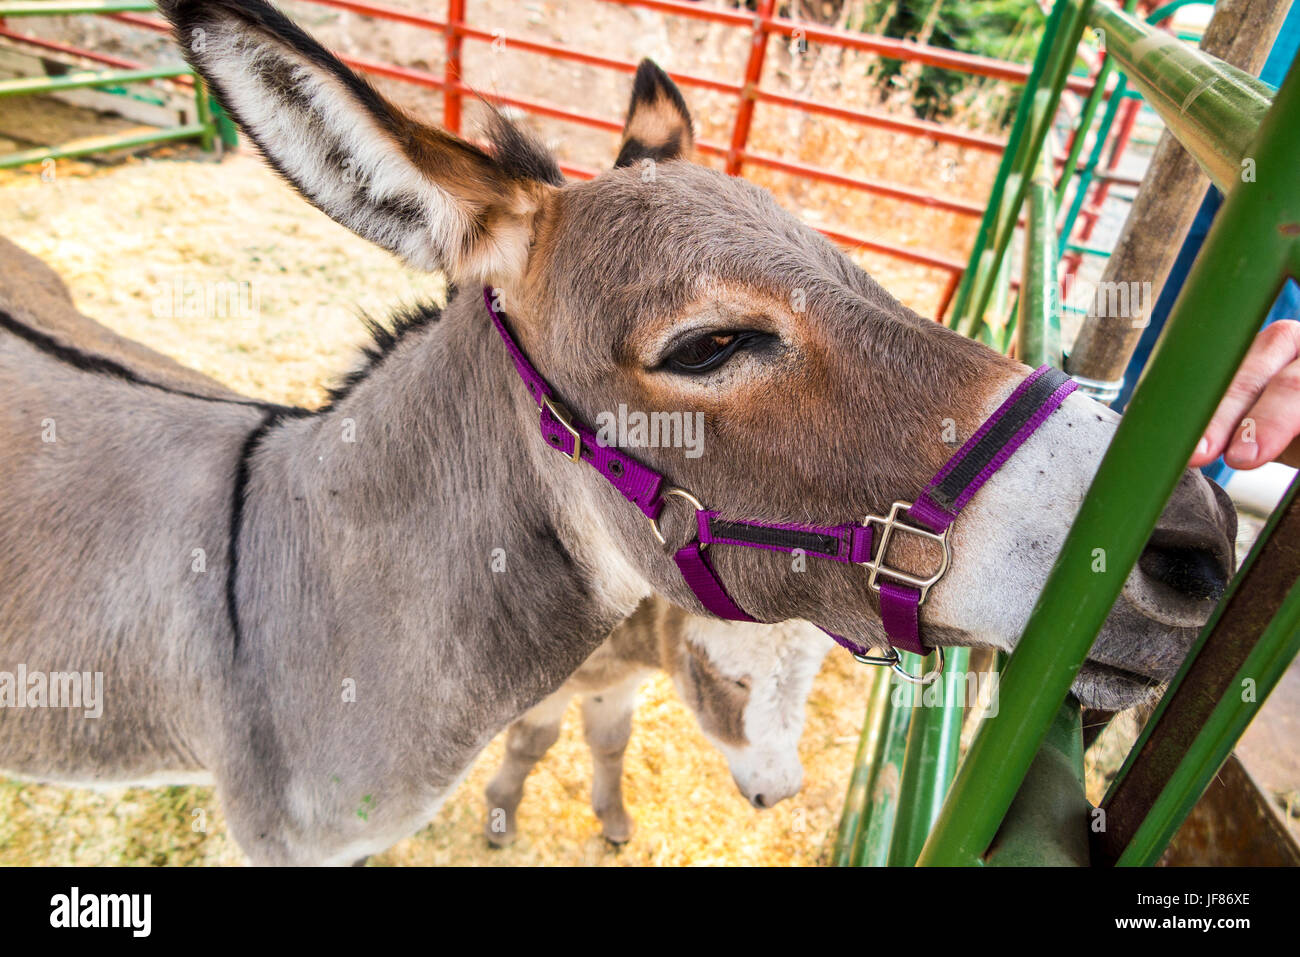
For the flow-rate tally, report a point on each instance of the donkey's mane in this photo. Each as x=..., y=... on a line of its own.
x=385, y=337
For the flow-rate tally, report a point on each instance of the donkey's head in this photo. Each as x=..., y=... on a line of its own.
x=664, y=286
x=747, y=686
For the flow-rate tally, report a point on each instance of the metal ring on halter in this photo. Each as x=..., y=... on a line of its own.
x=680, y=493
x=894, y=661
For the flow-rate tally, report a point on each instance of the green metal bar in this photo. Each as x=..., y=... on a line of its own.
x=1088, y=251
x=59, y=8
x=996, y=334
x=930, y=760
x=1038, y=331
x=1090, y=105
x=1047, y=823
x=1248, y=644
x=882, y=801
x=1248, y=251
x=81, y=79
x=101, y=144
x=989, y=269
x=1057, y=72
x=995, y=270
x=989, y=222
x=203, y=107
x=1213, y=108
x=1094, y=158
x=226, y=128
x=865, y=764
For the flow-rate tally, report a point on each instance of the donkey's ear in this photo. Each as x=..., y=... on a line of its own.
x=658, y=124
x=431, y=198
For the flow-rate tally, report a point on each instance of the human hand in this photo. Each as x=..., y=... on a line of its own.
x=1259, y=417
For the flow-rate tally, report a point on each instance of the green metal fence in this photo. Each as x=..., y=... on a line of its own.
x=1018, y=795
x=207, y=128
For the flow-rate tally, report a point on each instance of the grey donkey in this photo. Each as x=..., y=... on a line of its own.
x=746, y=685
x=392, y=579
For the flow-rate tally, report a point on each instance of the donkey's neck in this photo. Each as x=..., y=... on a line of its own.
x=429, y=544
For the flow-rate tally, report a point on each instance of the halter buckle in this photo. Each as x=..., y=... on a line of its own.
x=562, y=416
x=876, y=567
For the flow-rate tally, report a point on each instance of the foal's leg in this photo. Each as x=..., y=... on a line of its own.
x=528, y=739
x=607, y=725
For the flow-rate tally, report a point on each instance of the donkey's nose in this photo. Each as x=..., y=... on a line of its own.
x=1191, y=549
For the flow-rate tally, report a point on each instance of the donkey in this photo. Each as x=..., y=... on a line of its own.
x=746, y=685
x=392, y=579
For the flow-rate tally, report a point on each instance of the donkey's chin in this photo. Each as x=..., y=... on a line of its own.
x=1107, y=688
x=1136, y=655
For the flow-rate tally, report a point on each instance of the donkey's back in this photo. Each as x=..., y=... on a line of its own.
x=110, y=552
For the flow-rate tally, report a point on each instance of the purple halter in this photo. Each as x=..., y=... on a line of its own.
x=929, y=517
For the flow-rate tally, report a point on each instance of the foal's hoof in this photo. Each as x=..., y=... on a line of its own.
x=618, y=832
x=499, y=839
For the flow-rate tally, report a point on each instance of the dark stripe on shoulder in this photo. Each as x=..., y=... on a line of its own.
x=243, y=468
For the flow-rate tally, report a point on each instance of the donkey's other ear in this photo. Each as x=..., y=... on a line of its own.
x=658, y=124
x=431, y=198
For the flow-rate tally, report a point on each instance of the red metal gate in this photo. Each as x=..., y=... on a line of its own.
x=762, y=24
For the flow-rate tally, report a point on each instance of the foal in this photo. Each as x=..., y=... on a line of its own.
x=746, y=684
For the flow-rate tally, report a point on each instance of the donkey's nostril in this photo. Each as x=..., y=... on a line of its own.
x=760, y=801
x=1194, y=572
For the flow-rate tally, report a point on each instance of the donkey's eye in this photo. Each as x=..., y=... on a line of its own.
x=706, y=352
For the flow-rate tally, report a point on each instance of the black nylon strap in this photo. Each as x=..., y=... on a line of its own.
x=786, y=538
x=978, y=458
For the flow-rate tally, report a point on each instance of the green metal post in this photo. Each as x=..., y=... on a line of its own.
x=1038, y=332
x=203, y=104
x=930, y=761
x=877, y=831
x=1047, y=823
x=1097, y=94
x=865, y=764
x=989, y=222
x=1056, y=72
x=1094, y=158
x=1248, y=251
x=1213, y=108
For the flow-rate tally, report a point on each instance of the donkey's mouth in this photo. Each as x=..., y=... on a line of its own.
x=1109, y=688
